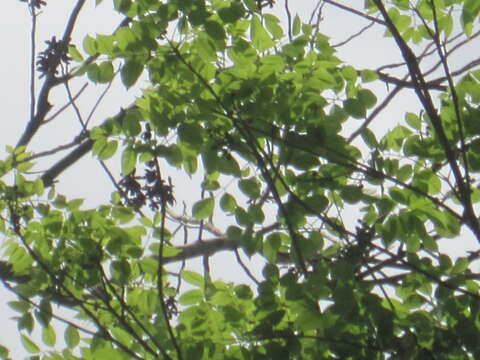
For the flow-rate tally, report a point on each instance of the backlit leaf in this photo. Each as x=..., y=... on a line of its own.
x=203, y=208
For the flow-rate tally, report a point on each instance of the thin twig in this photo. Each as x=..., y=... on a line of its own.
x=76, y=141
x=99, y=100
x=356, y=12
x=54, y=279
x=355, y=35
x=451, y=51
x=189, y=220
x=453, y=92
x=71, y=100
x=49, y=313
x=106, y=283
x=427, y=102
x=289, y=21
x=245, y=268
x=33, y=34
x=160, y=289
x=43, y=106
x=375, y=112
x=64, y=107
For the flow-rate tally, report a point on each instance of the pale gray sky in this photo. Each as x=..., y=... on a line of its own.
x=86, y=179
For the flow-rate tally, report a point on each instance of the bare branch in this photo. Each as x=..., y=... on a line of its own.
x=67, y=104
x=76, y=141
x=355, y=35
x=33, y=34
x=356, y=12
x=289, y=20
x=43, y=106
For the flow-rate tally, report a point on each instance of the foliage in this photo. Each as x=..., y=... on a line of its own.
x=348, y=220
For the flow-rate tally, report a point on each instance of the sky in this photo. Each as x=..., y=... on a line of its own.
x=368, y=51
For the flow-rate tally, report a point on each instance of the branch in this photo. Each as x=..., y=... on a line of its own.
x=423, y=95
x=375, y=112
x=355, y=35
x=191, y=221
x=356, y=12
x=51, y=174
x=43, y=106
x=78, y=139
x=67, y=104
x=212, y=246
x=33, y=33
x=431, y=85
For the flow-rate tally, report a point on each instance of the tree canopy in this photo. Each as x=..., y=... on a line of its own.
x=349, y=223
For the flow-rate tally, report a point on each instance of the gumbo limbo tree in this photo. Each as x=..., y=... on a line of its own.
x=352, y=223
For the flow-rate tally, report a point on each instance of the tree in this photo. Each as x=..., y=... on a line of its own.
x=350, y=222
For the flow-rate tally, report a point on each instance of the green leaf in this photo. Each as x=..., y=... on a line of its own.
x=228, y=203
x=470, y=12
x=131, y=122
x=368, y=75
x=271, y=246
x=272, y=24
x=351, y=194
x=350, y=73
x=355, y=108
x=191, y=297
x=71, y=336
x=129, y=161
x=102, y=73
x=243, y=292
x=232, y=13
x=38, y=187
x=193, y=134
x=74, y=53
x=125, y=36
x=29, y=345
x=90, y=45
x=316, y=204
x=193, y=278
x=297, y=25
x=215, y=30
x=123, y=214
x=310, y=320
x=203, y=208
x=26, y=322
x=369, y=137
x=260, y=38
x=367, y=98
x=48, y=336
x=122, y=5
x=413, y=120
x=461, y=265
x=130, y=72
x=19, y=306
x=4, y=352
x=107, y=149
x=105, y=44
x=250, y=187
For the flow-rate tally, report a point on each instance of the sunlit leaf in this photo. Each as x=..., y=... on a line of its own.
x=203, y=208
x=260, y=37
x=48, y=335
x=130, y=72
x=29, y=345
x=193, y=278
x=71, y=336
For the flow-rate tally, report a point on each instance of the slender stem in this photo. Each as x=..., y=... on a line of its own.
x=161, y=292
x=32, y=59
